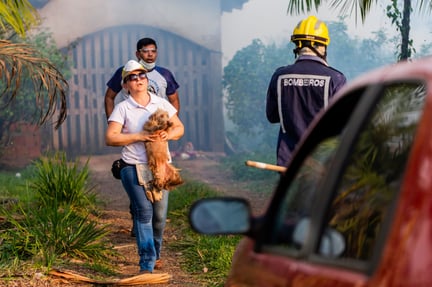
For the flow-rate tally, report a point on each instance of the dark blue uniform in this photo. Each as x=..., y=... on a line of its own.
x=296, y=93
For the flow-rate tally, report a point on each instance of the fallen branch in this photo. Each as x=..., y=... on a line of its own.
x=147, y=278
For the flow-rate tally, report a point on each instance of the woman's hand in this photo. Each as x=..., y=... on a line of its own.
x=157, y=136
x=146, y=137
x=163, y=135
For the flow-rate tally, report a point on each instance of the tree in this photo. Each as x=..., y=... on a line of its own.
x=245, y=81
x=403, y=26
x=20, y=59
x=363, y=7
x=355, y=56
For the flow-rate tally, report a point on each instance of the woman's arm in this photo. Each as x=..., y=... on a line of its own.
x=175, y=132
x=114, y=136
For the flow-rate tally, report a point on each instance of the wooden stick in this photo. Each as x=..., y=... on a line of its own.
x=267, y=166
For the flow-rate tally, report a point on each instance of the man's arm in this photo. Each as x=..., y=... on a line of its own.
x=272, y=111
x=174, y=100
x=109, y=101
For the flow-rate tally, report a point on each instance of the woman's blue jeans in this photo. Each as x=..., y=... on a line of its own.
x=149, y=219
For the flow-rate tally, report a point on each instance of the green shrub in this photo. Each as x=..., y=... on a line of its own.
x=48, y=234
x=58, y=224
x=59, y=181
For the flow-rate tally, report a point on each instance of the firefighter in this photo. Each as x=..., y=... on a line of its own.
x=297, y=92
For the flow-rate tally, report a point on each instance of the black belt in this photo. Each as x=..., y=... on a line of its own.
x=125, y=163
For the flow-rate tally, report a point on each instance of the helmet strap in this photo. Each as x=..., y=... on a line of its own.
x=307, y=44
x=322, y=56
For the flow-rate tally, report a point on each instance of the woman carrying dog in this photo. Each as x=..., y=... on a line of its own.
x=125, y=128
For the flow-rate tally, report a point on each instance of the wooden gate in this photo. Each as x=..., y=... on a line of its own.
x=96, y=56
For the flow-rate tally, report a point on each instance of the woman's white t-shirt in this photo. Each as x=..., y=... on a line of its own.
x=132, y=117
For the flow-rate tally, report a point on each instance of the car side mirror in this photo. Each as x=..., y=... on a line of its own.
x=220, y=216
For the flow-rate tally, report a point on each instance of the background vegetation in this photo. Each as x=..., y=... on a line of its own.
x=49, y=218
x=247, y=75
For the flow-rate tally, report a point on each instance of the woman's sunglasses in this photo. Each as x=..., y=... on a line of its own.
x=135, y=77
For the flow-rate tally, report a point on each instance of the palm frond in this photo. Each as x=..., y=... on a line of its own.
x=50, y=85
x=20, y=15
x=358, y=7
x=426, y=4
x=299, y=7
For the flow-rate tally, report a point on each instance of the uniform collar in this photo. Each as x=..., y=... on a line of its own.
x=311, y=58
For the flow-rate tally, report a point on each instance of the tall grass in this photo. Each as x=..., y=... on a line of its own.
x=58, y=224
x=208, y=258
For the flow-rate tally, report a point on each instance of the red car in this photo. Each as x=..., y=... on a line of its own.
x=354, y=207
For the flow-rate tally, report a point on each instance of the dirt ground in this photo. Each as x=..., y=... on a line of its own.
x=204, y=168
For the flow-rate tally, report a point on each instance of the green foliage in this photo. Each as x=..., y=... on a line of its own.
x=401, y=20
x=246, y=80
x=241, y=172
x=376, y=168
x=209, y=257
x=15, y=186
x=27, y=105
x=57, y=223
x=46, y=234
x=24, y=107
x=17, y=17
x=183, y=196
x=58, y=180
x=353, y=56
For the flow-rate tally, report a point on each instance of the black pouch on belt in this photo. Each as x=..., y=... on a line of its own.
x=117, y=166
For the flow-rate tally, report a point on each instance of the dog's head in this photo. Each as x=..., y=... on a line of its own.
x=157, y=121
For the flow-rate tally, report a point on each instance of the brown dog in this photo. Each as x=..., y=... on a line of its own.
x=165, y=175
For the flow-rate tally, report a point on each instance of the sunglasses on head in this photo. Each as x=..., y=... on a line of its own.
x=135, y=77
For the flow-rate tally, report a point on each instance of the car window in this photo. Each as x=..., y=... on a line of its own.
x=300, y=196
x=372, y=178
x=369, y=181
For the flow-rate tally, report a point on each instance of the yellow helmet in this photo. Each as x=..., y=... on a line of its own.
x=311, y=29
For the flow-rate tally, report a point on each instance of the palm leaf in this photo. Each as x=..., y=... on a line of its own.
x=302, y=6
x=361, y=7
x=50, y=85
x=20, y=15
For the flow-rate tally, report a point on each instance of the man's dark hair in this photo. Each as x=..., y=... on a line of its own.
x=145, y=42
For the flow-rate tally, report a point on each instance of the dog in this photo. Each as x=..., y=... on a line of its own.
x=165, y=175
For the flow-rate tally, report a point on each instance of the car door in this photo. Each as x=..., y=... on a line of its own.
x=345, y=179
